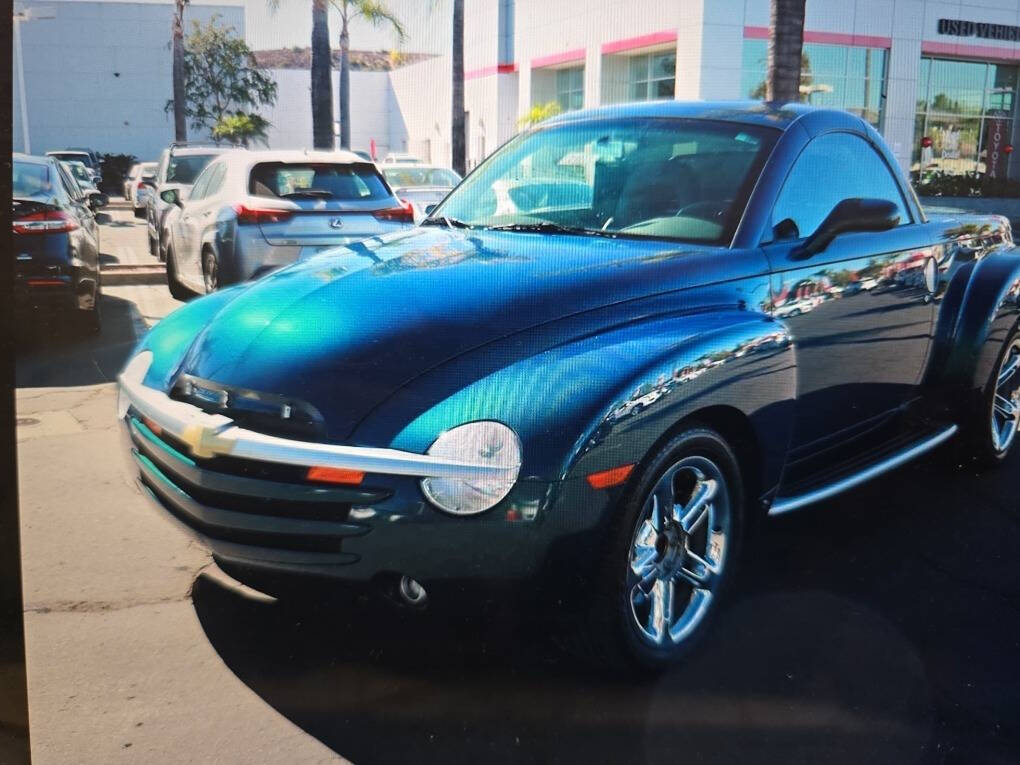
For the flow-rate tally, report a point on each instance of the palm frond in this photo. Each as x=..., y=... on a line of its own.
x=377, y=14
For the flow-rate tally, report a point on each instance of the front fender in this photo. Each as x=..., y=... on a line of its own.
x=979, y=309
x=604, y=399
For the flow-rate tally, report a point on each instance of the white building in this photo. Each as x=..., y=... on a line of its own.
x=917, y=69
x=97, y=74
x=939, y=79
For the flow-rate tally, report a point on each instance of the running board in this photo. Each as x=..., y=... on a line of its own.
x=893, y=461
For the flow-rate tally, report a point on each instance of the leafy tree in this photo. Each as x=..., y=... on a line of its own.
x=322, y=74
x=786, y=41
x=179, y=98
x=223, y=80
x=539, y=112
x=241, y=129
x=375, y=13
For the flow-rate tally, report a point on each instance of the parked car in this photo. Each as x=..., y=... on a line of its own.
x=85, y=156
x=424, y=186
x=254, y=211
x=56, y=244
x=364, y=155
x=401, y=158
x=140, y=185
x=80, y=173
x=178, y=168
x=435, y=407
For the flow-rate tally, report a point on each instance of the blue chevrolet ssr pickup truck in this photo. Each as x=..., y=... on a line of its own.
x=626, y=338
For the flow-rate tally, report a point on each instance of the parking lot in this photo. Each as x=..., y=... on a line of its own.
x=883, y=626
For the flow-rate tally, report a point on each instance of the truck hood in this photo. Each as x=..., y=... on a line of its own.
x=345, y=328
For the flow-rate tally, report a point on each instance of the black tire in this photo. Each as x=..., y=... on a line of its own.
x=177, y=290
x=612, y=633
x=992, y=448
x=139, y=212
x=153, y=246
x=210, y=271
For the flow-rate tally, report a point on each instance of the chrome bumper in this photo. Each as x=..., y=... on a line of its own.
x=211, y=435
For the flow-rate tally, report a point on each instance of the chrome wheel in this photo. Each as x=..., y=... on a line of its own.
x=1006, y=399
x=678, y=551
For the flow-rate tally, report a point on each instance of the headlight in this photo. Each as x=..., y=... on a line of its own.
x=486, y=443
x=135, y=371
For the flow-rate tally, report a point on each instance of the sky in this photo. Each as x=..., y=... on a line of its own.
x=427, y=23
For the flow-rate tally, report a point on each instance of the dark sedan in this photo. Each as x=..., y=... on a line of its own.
x=593, y=388
x=56, y=243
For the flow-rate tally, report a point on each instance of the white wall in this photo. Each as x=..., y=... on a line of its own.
x=421, y=109
x=371, y=107
x=99, y=74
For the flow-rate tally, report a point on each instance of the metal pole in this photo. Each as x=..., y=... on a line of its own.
x=23, y=100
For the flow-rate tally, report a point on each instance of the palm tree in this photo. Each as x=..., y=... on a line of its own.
x=180, y=97
x=786, y=41
x=375, y=13
x=457, y=127
x=322, y=74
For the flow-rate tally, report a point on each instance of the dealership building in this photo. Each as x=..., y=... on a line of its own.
x=938, y=79
x=947, y=72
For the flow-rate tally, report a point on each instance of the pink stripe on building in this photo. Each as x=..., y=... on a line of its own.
x=643, y=41
x=970, y=51
x=488, y=71
x=558, y=58
x=829, y=38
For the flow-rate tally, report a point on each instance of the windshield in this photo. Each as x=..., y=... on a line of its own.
x=31, y=179
x=79, y=171
x=409, y=177
x=185, y=169
x=684, y=179
x=321, y=179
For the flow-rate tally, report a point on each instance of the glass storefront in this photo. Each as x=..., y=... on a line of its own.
x=570, y=88
x=836, y=76
x=965, y=112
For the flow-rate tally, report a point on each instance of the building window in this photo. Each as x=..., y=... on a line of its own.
x=836, y=76
x=964, y=113
x=653, y=76
x=570, y=88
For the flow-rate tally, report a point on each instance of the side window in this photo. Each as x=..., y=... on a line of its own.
x=164, y=160
x=216, y=180
x=832, y=168
x=198, y=191
x=70, y=185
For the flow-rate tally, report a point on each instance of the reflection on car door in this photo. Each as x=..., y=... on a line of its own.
x=861, y=311
x=192, y=216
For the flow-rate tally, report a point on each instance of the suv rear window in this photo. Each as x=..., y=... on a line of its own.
x=185, y=168
x=31, y=179
x=328, y=180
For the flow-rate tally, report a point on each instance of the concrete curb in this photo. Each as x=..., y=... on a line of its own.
x=117, y=274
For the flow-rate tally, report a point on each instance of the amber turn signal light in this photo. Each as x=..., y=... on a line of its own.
x=613, y=477
x=334, y=475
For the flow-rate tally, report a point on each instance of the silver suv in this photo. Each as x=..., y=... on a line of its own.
x=250, y=212
x=179, y=166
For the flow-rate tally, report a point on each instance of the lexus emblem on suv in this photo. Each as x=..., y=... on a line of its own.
x=336, y=222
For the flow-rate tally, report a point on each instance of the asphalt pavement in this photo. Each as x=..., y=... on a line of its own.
x=880, y=627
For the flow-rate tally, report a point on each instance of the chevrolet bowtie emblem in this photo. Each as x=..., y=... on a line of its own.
x=336, y=222
x=205, y=441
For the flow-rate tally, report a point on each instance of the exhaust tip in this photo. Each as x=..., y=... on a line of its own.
x=411, y=592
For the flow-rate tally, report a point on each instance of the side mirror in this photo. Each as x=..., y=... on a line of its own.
x=851, y=215
x=431, y=207
x=97, y=200
x=171, y=197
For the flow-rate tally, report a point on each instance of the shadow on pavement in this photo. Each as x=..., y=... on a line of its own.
x=52, y=351
x=883, y=628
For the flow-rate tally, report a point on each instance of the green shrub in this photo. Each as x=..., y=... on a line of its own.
x=114, y=169
x=942, y=184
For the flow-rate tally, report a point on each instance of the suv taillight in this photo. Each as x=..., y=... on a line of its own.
x=45, y=222
x=402, y=214
x=248, y=215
